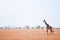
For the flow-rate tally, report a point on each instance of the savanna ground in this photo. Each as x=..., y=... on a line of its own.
x=28, y=34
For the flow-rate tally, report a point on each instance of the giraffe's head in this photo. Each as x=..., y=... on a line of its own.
x=44, y=21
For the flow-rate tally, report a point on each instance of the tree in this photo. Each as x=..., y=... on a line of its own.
x=27, y=27
x=38, y=27
x=1, y=27
x=42, y=27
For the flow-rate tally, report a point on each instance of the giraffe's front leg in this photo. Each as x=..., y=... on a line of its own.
x=47, y=31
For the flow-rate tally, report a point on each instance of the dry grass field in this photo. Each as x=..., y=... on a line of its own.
x=28, y=34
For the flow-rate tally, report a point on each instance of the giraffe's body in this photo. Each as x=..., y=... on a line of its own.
x=48, y=27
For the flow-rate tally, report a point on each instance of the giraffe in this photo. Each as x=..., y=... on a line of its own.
x=48, y=27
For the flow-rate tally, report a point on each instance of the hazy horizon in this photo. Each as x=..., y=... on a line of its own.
x=29, y=12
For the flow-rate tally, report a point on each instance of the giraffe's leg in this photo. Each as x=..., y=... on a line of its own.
x=47, y=30
x=51, y=30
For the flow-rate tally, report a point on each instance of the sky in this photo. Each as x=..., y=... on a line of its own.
x=29, y=12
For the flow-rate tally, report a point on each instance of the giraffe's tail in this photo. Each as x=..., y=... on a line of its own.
x=52, y=29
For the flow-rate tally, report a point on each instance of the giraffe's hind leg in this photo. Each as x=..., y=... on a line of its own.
x=51, y=31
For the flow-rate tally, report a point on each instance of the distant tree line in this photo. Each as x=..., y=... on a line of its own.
x=26, y=27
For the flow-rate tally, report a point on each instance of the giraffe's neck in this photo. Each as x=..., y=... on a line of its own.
x=46, y=23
